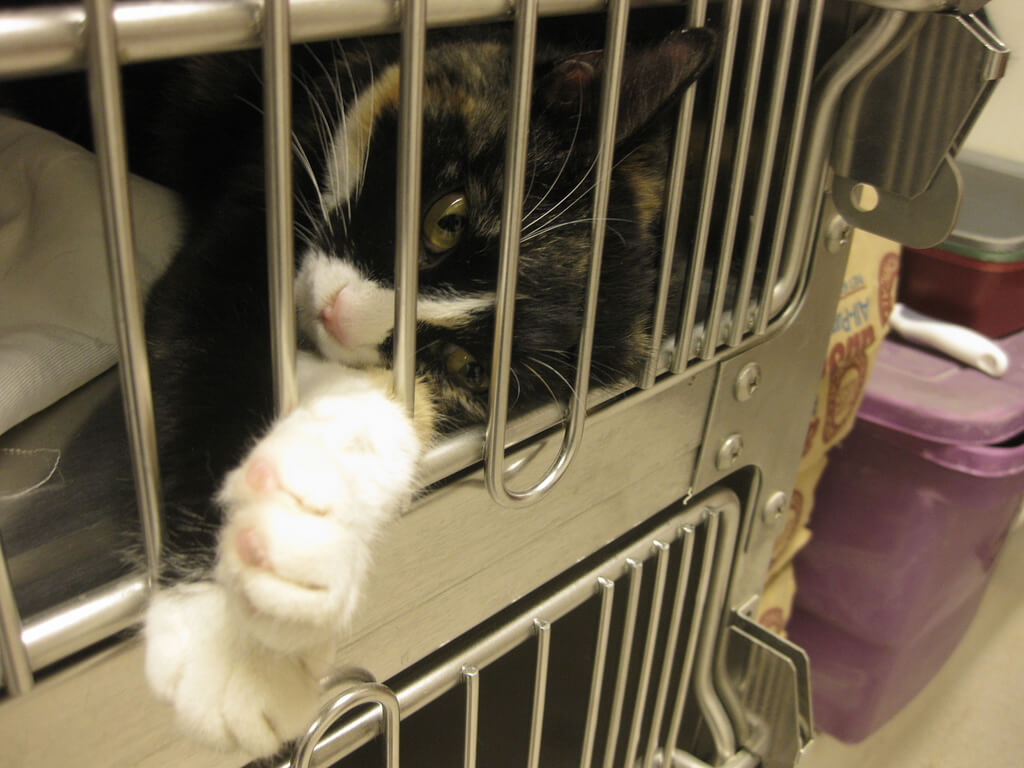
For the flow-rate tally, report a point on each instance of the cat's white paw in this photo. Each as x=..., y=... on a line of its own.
x=228, y=691
x=304, y=508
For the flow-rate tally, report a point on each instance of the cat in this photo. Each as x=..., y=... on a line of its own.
x=270, y=523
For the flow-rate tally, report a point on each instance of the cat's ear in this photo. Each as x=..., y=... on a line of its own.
x=651, y=76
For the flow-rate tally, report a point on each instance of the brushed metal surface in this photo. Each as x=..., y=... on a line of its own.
x=453, y=560
x=624, y=565
x=903, y=117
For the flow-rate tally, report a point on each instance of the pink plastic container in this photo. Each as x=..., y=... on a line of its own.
x=909, y=518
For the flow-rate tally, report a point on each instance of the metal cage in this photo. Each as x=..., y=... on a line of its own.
x=712, y=431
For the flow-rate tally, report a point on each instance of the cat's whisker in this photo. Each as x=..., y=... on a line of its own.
x=550, y=212
x=334, y=83
x=321, y=122
x=529, y=187
x=562, y=207
x=303, y=158
x=538, y=361
x=335, y=86
x=622, y=238
x=519, y=389
x=550, y=227
x=542, y=380
x=565, y=162
x=597, y=368
x=325, y=129
x=373, y=111
x=248, y=103
x=368, y=131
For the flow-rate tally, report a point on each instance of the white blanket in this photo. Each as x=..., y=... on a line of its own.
x=56, y=322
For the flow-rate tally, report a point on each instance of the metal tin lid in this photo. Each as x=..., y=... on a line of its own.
x=922, y=393
x=991, y=223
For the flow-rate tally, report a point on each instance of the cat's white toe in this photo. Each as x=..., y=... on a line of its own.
x=228, y=691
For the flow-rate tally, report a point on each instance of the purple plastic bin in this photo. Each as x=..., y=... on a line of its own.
x=909, y=517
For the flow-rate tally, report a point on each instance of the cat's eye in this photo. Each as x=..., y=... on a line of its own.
x=444, y=223
x=465, y=369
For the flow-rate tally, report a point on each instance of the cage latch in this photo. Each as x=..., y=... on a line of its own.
x=904, y=118
x=773, y=687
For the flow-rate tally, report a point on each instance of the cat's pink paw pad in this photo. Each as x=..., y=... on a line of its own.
x=261, y=475
x=252, y=548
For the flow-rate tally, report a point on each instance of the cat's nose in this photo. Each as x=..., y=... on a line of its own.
x=337, y=318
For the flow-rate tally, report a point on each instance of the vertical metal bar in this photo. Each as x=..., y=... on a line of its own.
x=689, y=656
x=715, y=715
x=877, y=34
x=688, y=314
x=796, y=145
x=540, y=685
x=363, y=693
x=758, y=30
x=682, y=583
x=471, y=677
x=615, y=46
x=108, y=131
x=673, y=205
x=604, y=625
x=511, y=227
x=636, y=572
x=407, y=235
x=277, y=147
x=647, y=660
x=13, y=654
x=773, y=124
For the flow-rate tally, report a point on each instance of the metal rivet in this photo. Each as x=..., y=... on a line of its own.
x=837, y=234
x=729, y=452
x=774, y=507
x=747, y=382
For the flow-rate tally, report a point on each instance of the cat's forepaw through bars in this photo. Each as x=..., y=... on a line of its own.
x=239, y=657
x=304, y=508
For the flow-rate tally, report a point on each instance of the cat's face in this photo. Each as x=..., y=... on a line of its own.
x=345, y=286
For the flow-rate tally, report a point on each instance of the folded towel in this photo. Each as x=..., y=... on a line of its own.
x=56, y=322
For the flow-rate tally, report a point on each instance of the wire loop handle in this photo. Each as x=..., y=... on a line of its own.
x=511, y=223
x=363, y=693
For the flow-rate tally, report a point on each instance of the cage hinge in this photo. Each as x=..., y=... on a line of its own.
x=903, y=119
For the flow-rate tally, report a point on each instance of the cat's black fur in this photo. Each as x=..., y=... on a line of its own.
x=196, y=126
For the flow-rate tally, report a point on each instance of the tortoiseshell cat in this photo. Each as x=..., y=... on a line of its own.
x=270, y=524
